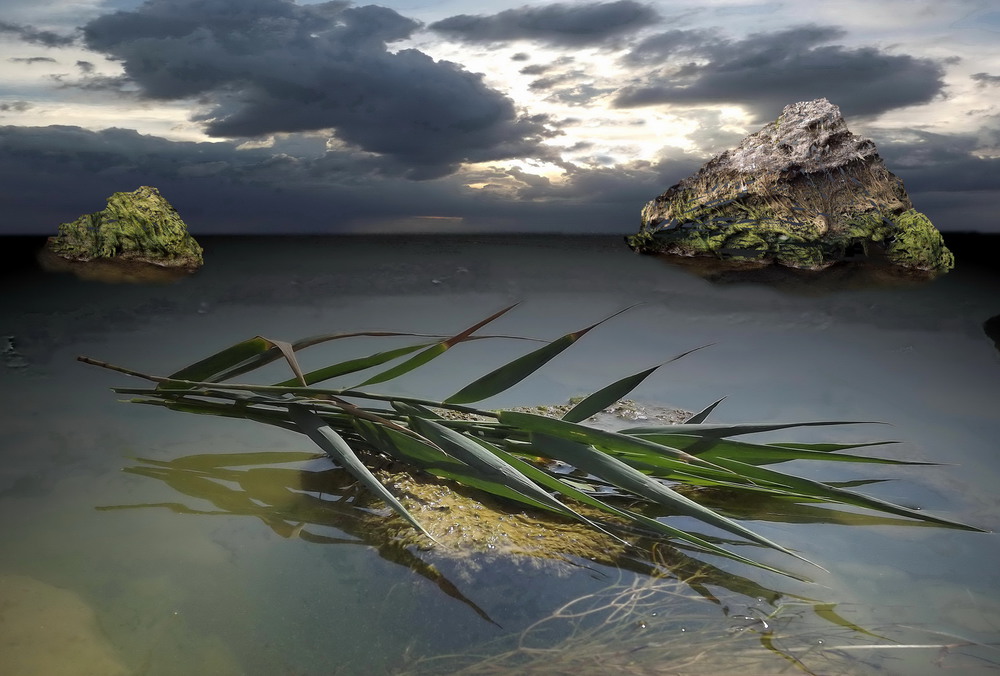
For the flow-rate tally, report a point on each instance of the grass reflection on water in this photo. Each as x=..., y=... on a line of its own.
x=667, y=613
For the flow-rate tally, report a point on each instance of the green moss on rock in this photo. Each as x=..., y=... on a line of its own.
x=803, y=192
x=918, y=245
x=800, y=255
x=135, y=226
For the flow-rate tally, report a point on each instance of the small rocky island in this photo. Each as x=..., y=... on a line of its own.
x=137, y=230
x=803, y=192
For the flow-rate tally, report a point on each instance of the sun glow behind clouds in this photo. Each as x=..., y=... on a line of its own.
x=574, y=93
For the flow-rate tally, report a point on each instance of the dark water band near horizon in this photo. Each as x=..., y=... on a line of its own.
x=164, y=592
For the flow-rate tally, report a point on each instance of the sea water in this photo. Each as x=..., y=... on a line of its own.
x=180, y=583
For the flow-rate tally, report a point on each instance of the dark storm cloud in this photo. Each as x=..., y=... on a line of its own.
x=657, y=48
x=535, y=69
x=267, y=66
x=15, y=106
x=32, y=59
x=767, y=71
x=34, y=36
x=215, y=186
x=566, y=83
x=85, y=67
x=298, y=186
x=986, y=80
x=572, y=94
x=946, y=175
x=929, y=162
x=219, y=188
x=568, y=25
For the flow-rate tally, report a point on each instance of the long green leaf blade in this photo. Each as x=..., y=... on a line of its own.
x=433, y=460
x=334, y=445
x=701, y=415
x=601, y=438
x=270, y=356
x=515, y=371
x=486, y=457
x=352, y=366
x=593, y=461
x=607, y=396
x=556, y=484
x=433, y=351
x=414, y=362
x=209, y=367
x=816, y=489
x=760, y=454
x=732, y=430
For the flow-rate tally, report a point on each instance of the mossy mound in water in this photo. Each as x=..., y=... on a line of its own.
x=136, y=226
x=803, y=192
x=467, y=522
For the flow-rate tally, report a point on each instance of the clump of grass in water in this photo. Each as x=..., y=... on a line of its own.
x=516, y=455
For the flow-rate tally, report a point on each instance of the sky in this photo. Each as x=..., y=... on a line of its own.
x=454, y=116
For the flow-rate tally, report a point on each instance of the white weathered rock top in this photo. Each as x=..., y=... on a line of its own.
x=810, y=135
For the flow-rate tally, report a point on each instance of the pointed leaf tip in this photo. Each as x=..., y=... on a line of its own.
x=435, y=350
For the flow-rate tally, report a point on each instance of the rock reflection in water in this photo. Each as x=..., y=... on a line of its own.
x=113, y=271
x=847, y=276
x=991, y=327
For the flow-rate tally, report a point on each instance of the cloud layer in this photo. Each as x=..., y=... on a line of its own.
x=220, y=188
x=32, y=35
x=766, y=71
x=562, y=24
x=331, y=117
x=267, y=66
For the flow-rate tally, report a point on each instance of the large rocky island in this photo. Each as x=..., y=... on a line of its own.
x=137, y=229
x=802, y=192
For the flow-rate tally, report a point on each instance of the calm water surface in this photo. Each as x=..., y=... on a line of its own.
x=224, y=593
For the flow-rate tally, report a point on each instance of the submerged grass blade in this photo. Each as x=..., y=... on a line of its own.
x=334, y=445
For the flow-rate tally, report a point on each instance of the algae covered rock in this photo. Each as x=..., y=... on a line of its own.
x=803, y=192
x=139, y=226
